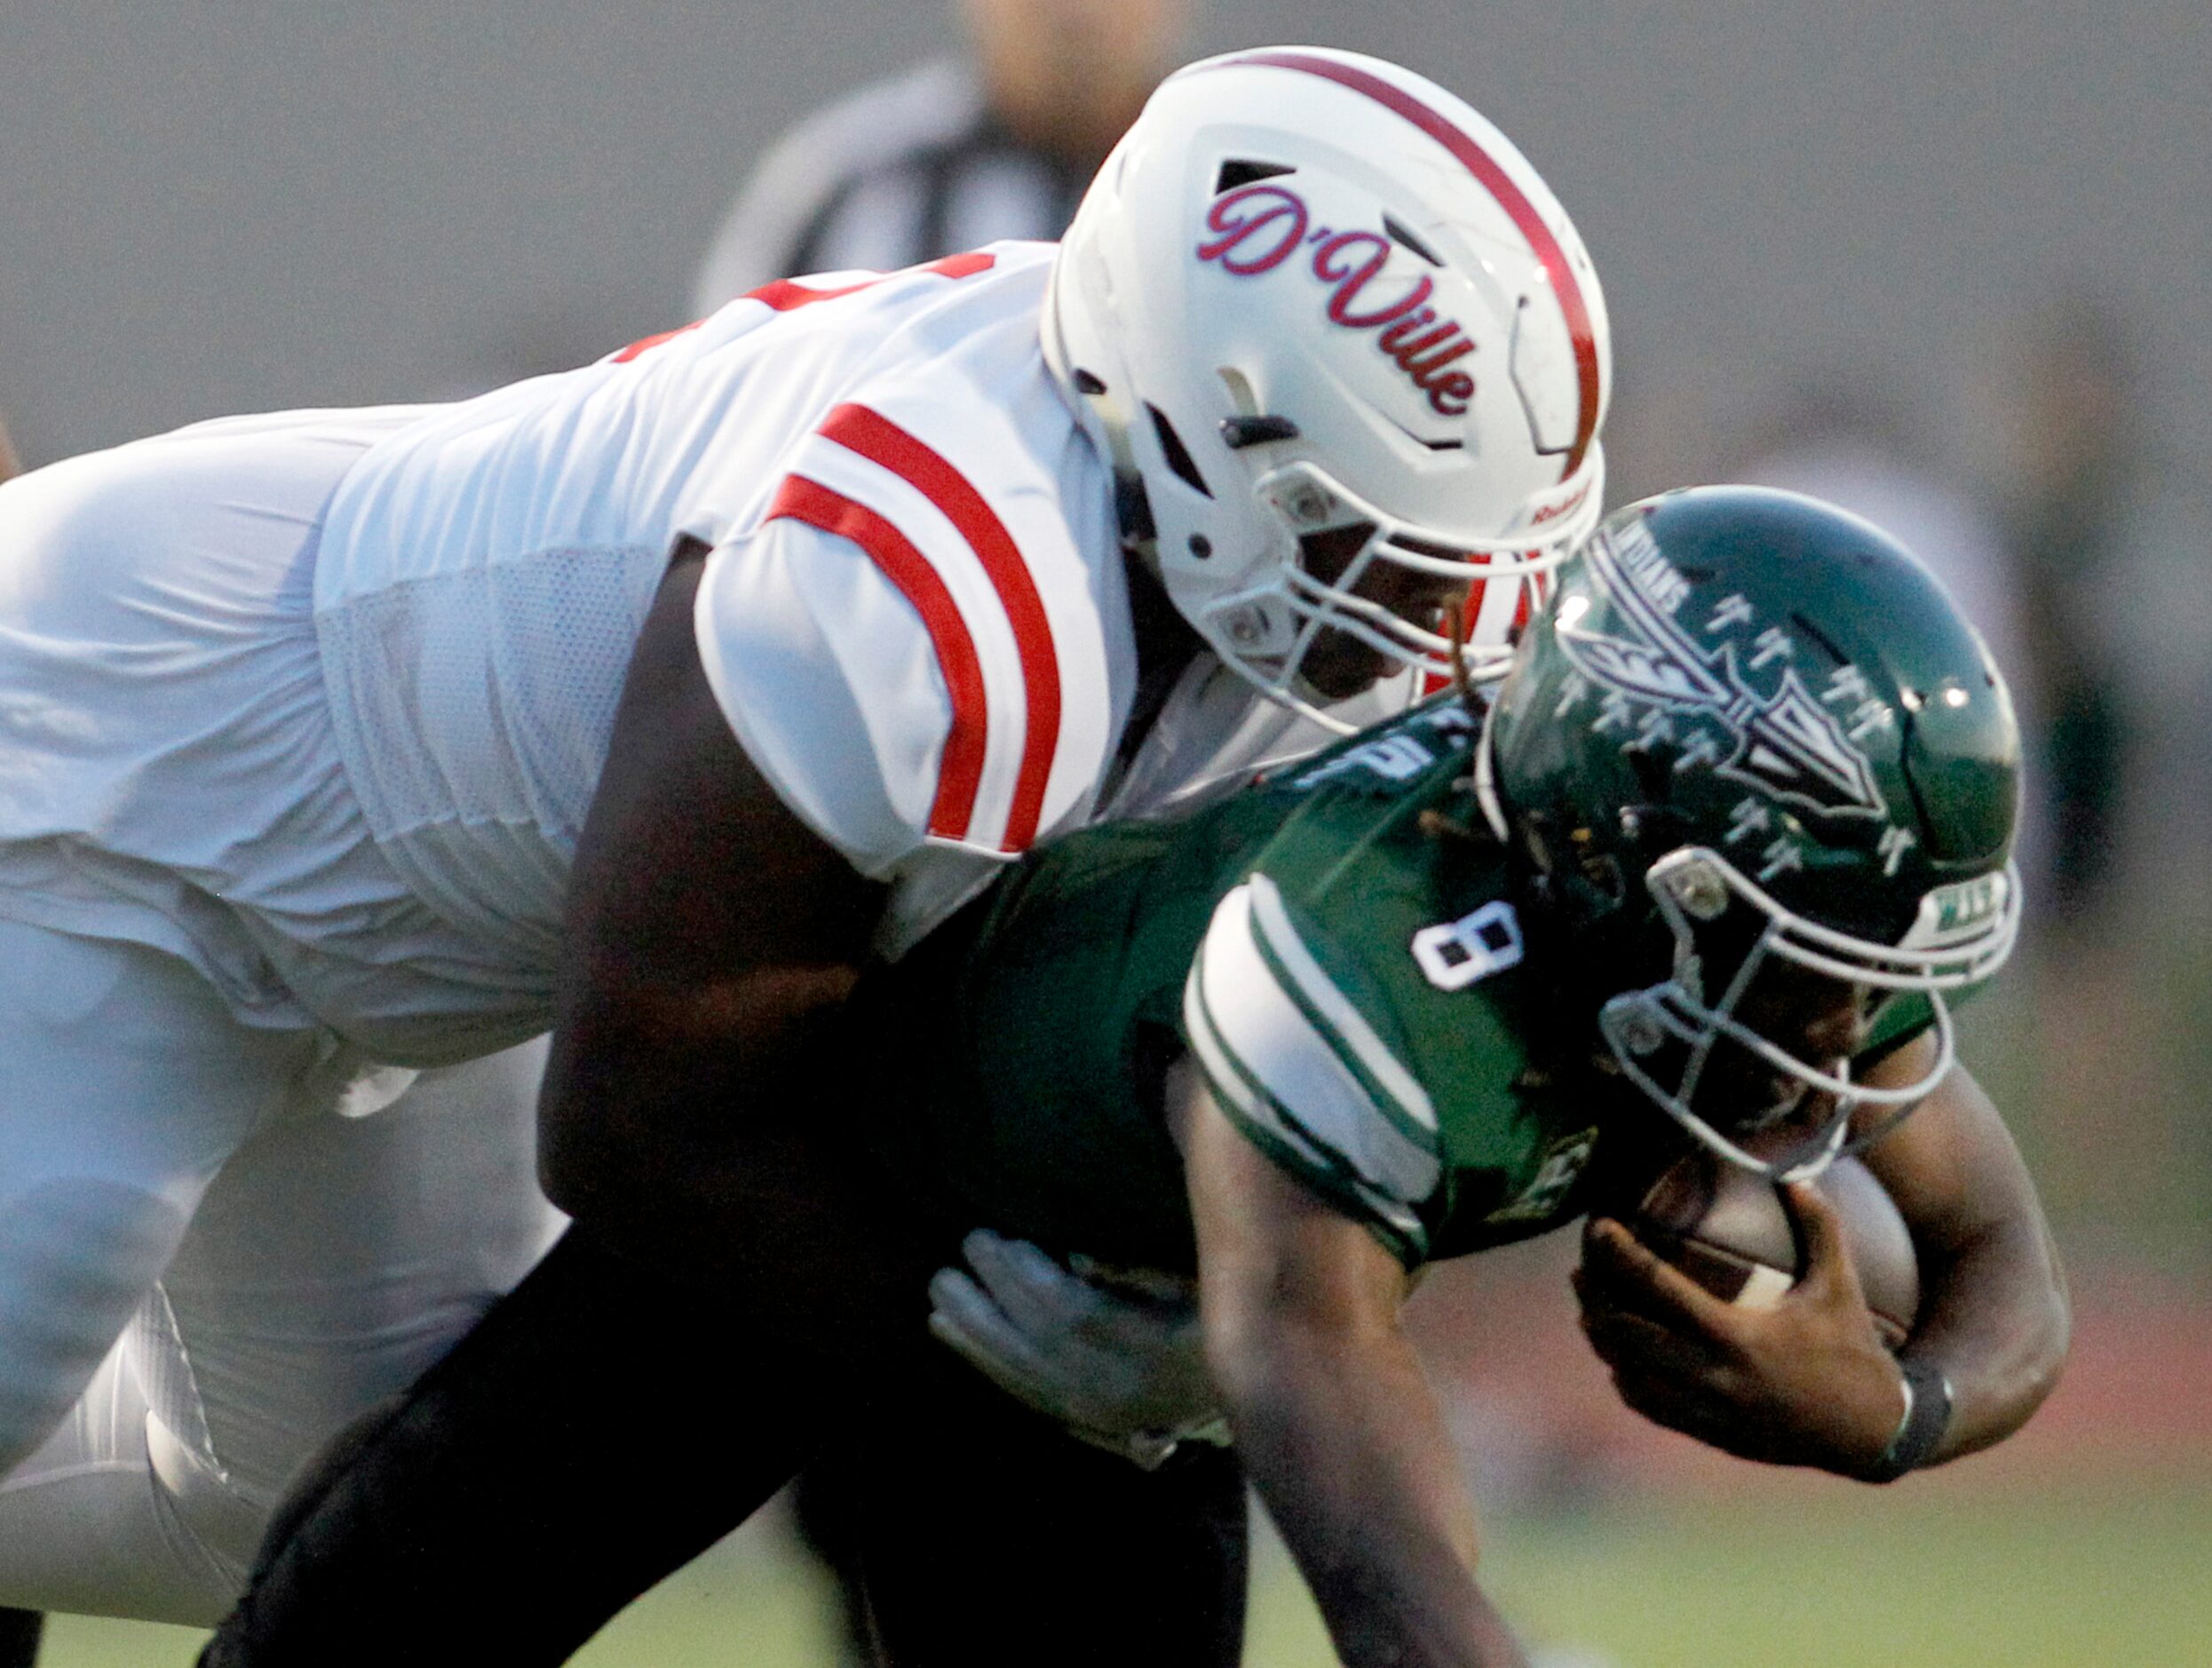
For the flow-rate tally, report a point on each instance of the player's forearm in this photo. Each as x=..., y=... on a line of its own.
x=670, y=1123
x=1997, y=1320
x=1994, y=1312
x=1343, y=1442
x=1334, y=1419
x=710, y=931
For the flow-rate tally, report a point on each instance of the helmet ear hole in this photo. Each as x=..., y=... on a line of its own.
x=1132, y=507
x=1654, y=775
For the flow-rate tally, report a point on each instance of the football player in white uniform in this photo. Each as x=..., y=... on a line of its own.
x=655, y=697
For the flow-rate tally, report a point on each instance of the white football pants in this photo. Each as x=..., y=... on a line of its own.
x=206, y=1268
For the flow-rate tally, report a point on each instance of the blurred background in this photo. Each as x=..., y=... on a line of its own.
x=1945, y=261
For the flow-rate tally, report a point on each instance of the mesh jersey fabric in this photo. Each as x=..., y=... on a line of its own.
x=375, y=655
x=485, y=573
x=169, y=771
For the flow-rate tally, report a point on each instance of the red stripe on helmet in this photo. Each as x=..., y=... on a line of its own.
x=1494, y=179
x=960, y=767
x=883, y=442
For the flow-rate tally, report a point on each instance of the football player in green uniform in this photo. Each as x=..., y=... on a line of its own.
x=1738, y=820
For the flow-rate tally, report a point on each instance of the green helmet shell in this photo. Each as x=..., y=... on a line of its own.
x=1746, y=706
x=1768, y=676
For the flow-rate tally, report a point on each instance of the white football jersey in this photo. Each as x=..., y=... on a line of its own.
x=914, y=615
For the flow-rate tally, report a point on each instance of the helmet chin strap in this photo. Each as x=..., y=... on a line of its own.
x=1486, y=780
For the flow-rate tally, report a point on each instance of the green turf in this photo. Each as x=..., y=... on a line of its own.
x=2111, y=1579
x=2122, y=1581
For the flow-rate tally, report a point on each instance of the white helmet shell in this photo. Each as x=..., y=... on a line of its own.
x=1311, y=290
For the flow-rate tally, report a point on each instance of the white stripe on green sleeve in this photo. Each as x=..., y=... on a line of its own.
x=1335, y=1015
x=1277, y=1135
x=1280, y=1054
x=1233, y=1087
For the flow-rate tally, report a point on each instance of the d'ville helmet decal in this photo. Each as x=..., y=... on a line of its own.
x=1789, y=745
x=1256, y=228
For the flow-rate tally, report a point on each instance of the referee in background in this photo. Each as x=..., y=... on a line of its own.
x=953, y=154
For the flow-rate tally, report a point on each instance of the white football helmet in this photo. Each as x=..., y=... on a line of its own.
x=1310, y=291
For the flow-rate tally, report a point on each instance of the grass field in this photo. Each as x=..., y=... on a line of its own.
x=2091, y=1578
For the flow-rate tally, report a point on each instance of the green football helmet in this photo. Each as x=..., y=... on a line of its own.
x=1750, y=734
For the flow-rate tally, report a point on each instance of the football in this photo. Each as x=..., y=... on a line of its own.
x=1729, y=1231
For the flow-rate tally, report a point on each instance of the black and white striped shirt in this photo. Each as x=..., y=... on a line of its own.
x=903, y=171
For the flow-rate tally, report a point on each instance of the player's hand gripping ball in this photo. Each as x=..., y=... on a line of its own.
x=1729, y=1231
x=1760, y=1320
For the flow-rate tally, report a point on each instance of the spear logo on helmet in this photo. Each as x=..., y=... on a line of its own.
x=1788, y=745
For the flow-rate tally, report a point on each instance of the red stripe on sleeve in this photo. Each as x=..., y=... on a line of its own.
x=960, y=767
x=650, y=342
x=883, y=442
x=965, y=265
x=786, y=297
x=1494, y=179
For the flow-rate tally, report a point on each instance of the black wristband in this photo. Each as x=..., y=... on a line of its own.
x=1927, y=1416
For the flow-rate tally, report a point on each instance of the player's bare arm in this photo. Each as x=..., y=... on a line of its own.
x=1994, y=1317
x=1809, y=1381
x=711, y=934
x=1334, y=1418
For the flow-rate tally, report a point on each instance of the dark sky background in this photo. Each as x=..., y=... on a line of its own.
x=223, y=205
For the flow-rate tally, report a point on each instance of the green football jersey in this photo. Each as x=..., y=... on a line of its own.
x=1350, y=979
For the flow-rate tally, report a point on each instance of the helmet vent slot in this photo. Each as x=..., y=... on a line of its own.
x=1243, y=171
x=1240, y=431
x=1178, y=455
x=1400, y=235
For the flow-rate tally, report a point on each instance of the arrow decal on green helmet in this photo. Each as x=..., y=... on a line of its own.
x=1789, y=745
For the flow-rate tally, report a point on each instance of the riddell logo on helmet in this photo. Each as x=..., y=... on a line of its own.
x=1257, y=227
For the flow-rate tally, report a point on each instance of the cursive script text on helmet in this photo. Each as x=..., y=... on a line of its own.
x=1256, y=228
